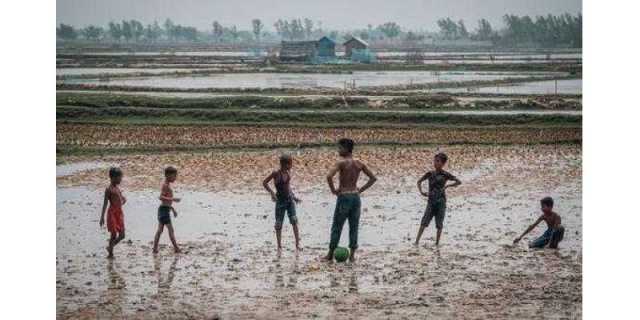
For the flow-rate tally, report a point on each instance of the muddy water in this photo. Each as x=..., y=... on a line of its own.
x=304, y=80
x=572, y=86
x=230, y=269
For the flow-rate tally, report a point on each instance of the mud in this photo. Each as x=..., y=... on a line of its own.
x=230, y=270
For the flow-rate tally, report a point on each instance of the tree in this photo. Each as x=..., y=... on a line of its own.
x=484, y=31
x=448, y=29
x=390, y=29
x=233, y=32
x=137, y=29
x=66, y=32
x=169, y=29
x=257, y=28
x=308, y=28
x=127, y=31
x=92, y=32
x=218, y=31
x=153, y=32
x=115, y=31
x=462, y=30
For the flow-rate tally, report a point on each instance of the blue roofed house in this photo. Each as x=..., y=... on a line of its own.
x=326, y=48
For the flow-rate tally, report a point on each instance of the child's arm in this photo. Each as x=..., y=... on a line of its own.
x=456, y=182
x=167, y=190
x=372, y=179
x=265, y=184
x=175, y=213
x=420, y=181
x=104, y=206
x=531, y=227
x=330, y=176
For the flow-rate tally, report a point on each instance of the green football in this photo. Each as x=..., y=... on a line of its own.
x=341, y=254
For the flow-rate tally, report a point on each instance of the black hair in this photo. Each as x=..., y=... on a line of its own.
x=347, y=144
x=170, y=170
x=115, y=172
x=285, y=158
x=547, y=201
x=442, y=156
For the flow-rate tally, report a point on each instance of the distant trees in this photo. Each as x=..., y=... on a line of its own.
x=257, y=28
x=545, y=31
x=66, y=32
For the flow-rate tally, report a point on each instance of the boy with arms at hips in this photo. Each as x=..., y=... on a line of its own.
x=348, y=202
x=284, y=199
x=115, y=216
x=165, y=209
x=555, y=230
x=436, y=197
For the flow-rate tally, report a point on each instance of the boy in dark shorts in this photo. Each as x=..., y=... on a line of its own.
x=165, y=209
x=115, y=217
x=284, y=199
x=348, y=202
x=555, y=231
x=436, y=197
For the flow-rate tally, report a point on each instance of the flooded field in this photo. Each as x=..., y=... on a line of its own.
x=107, y=71
x=570, y=86
x=308, y=80
x=230, y=270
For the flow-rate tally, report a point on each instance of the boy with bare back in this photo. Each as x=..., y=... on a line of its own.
x=555, y=231
x=284, y=199
x=348, y=202
x=115, y=217
x=166, y=207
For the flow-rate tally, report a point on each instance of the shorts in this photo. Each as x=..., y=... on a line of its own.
x=434, y=209
x=115, y=220
x=551, y=237
x=164, y=215
x=288, y=206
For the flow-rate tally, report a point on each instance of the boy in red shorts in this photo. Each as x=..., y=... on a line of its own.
x=115, y=216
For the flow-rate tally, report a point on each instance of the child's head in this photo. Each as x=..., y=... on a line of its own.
x=439, y=160
x=115, y=174
x=170, y=173
x=546, y=204
x=345, y=147
x=286, y=162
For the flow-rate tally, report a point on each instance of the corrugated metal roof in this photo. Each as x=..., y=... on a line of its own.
x=354, y=38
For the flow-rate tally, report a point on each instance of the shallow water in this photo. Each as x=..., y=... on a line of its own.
x=229, y=268
x=571, y=86
x=303, y=80
x=106, y=71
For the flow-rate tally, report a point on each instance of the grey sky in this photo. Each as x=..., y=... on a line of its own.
x=334, y=14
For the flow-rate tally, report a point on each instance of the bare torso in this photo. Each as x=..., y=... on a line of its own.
x=553, y=220
x=349, y=170
x=115, y=196
x=166, y=192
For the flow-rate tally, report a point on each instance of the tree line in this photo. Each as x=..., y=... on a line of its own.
x=547, y=31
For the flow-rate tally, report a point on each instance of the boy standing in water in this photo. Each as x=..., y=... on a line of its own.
x=555, y=230
x=348, y=202
x=436, y=198
x=115, y=216
x=284, y=199
x=165, y=209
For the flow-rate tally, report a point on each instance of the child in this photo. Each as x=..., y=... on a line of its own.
x=164, y=211
x=115, y=216
x=555, y=230
x=436, y=198
x=284, y=199
x=348, y=202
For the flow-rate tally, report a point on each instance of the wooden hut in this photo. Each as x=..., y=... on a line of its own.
x=298, y=51
x=326, y=48
x=354, y=43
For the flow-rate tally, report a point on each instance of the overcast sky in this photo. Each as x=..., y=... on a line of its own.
x=334, y=14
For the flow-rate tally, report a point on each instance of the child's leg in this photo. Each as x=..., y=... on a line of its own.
x=112, y=240
x=354, y=222
x=438, y=233
x=541, y=241
x=156, y=239
x=440, y=210
x=173, y=239
x=119, y=238
x=339, y=218
x=279, y=237
x=293, y=219
x=424, y=223
x=280, y=210
x=556, y=237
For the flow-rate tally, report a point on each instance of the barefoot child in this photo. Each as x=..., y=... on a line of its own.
x=348, y=202
x=115, y=216
x=436, y=198
x=165, y=209
x=555, y=230
x=284, y=199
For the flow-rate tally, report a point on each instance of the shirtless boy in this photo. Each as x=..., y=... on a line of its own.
x=115, y=217
x=348, y=202
x=555, y=231
x=166, y=207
